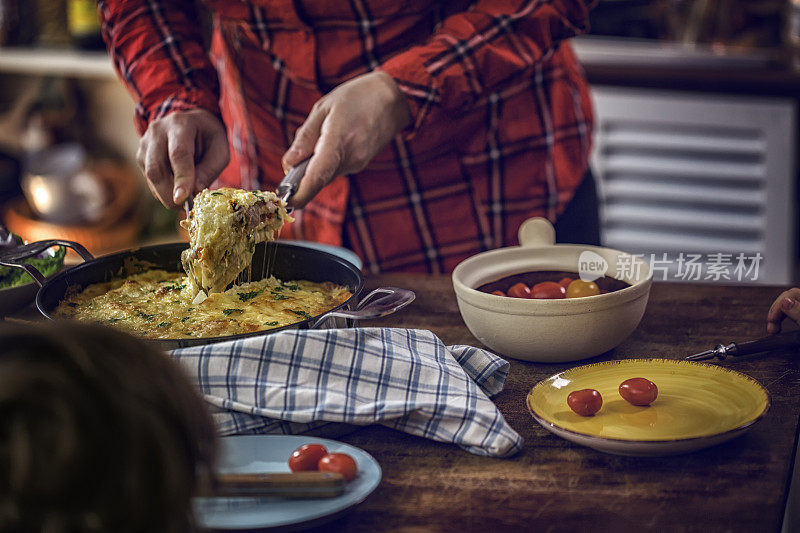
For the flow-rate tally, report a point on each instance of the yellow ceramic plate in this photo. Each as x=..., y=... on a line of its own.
x=698, y=405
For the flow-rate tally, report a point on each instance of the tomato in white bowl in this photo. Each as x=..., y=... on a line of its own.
x=533, y=329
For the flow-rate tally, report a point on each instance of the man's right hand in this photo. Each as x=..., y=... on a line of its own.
x=785, y=305
x=182, y=154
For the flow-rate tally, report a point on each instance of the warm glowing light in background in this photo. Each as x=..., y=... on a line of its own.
x=40, y=194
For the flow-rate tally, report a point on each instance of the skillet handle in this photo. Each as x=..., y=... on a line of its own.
x=14, y=257
x=380, y=302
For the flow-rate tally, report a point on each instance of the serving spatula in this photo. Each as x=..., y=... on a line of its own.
x=291, y=182
x=285, y=190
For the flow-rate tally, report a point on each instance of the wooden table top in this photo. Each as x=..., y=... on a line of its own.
x=555, y=485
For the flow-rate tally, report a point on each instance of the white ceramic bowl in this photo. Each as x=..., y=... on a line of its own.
x=551, y=330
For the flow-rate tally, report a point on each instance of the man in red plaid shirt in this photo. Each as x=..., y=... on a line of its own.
x=436, y=127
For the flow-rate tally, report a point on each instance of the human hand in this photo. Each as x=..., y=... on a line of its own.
x=345, y=130
x=182, y=154
x=785, y=305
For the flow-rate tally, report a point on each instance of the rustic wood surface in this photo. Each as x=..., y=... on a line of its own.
x=554, y=485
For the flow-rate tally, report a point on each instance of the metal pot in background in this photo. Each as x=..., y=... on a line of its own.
x=61, y=187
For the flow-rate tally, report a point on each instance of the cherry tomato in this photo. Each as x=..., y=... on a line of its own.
x=565, y=282
x=519, y=290
x=548, y=290
x=498, y=293
x=340, y=463
x=585, y=402
x=638, y=391
x=580, y=288
x=306, y=457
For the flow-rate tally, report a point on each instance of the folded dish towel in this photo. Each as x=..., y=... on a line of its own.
x=293, y=381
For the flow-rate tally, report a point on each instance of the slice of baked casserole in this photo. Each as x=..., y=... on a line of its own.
x=224, y=227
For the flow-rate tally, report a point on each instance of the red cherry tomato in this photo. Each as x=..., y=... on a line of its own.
x=307, y=457
x=638, y=391
x=548, y=290
x=498, y=293
x=564, y=282
x=580, y=288
x=519, y=290
x=585, y=402
x=340, y=463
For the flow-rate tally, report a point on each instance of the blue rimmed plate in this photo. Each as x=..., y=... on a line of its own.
x=344, y=253
x=270, y=453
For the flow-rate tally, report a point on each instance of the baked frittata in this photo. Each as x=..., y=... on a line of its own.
x=158, y=304
x=224, y=227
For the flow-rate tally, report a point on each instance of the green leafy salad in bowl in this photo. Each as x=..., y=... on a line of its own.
x=47, y=262
x=17, y=288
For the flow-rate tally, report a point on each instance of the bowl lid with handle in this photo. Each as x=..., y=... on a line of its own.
x=536, y=231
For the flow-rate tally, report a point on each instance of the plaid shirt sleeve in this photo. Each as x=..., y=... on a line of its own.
x=157, y=49
x=475, y=51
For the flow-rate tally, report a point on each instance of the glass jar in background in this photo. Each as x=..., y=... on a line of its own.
x=84, y=24
x=17, y=23
x=791, y=37
x=51, y=18
x=9, y=19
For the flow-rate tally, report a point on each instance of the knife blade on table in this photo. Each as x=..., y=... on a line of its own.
x=789, y=339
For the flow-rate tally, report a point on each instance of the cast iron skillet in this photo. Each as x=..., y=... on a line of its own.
x=287, y=261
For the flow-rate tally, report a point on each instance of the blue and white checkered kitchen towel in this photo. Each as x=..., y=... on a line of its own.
x=294, y=381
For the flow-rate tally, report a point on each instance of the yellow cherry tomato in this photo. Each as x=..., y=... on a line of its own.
x=580, y=288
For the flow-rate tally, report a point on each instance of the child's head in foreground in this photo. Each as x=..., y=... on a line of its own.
x=99, y=431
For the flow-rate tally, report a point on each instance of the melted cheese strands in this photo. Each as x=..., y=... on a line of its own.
x=224, y=227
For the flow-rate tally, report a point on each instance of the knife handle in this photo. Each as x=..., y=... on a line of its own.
x=291, y=181
x=789, y=339
x=283, y=485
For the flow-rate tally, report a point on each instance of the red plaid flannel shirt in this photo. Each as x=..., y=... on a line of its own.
x=501, y=112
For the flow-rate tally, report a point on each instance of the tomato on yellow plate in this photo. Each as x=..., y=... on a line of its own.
x=698, y=405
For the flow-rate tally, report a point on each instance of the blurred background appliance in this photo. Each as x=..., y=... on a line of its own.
x=681, y=173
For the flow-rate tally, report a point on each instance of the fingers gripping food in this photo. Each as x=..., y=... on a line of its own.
x=224, y=227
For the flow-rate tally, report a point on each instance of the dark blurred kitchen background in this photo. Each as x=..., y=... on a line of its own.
x=695, y=140
x=67, y=141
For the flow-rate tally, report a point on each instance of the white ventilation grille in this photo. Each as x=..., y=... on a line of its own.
x=698, y=174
